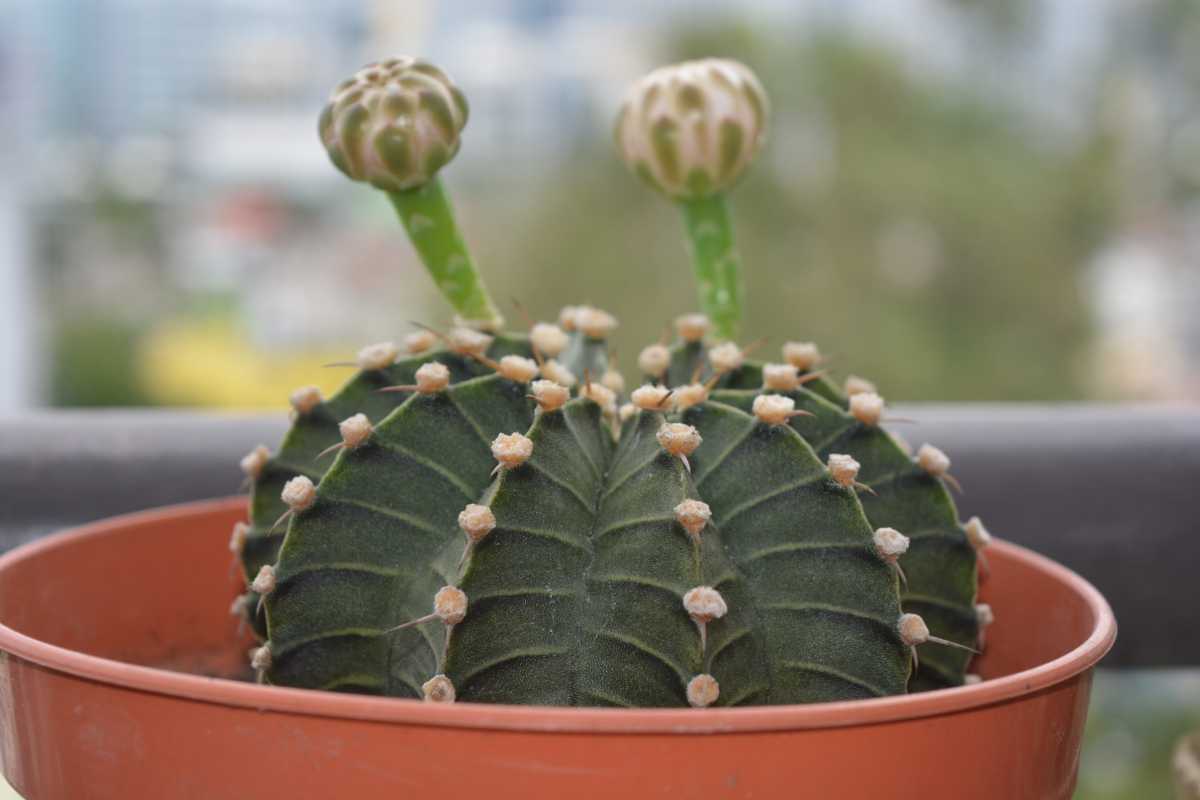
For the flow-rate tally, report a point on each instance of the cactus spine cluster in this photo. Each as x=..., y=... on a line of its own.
x=491, y=517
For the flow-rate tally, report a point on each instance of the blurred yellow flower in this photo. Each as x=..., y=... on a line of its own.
x=210, y=363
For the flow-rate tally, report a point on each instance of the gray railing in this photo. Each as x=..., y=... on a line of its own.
x=1105, y=490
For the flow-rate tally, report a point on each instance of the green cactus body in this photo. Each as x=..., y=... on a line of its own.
x=576, y=596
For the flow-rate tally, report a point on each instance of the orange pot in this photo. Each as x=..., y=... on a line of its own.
x=114, y=638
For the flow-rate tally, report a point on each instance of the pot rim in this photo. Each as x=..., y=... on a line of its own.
x=309, y=702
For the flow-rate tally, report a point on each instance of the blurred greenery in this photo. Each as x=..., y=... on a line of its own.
x=100, y=314
x=923, y=235
x=1135, y=719
x=94, y=363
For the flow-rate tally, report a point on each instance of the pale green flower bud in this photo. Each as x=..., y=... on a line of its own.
x=691, y=129
x=394, y=124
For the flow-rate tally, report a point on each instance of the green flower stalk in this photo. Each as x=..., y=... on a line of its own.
x=393, y=125
x=690, y=130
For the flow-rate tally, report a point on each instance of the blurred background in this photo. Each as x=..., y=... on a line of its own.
x=962, y=200
x=1008, y=188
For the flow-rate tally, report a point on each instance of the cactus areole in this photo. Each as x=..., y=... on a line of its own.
x=490, y=516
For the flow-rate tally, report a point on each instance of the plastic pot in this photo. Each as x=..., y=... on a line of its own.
x=115, y=640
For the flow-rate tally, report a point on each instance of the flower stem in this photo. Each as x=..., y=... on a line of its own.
x=716, y=261
x=429, y=220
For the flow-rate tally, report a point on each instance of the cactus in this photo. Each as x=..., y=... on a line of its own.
x=480, y=520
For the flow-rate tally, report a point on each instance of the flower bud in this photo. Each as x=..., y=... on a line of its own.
x=691, y=129
x=394, y=124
